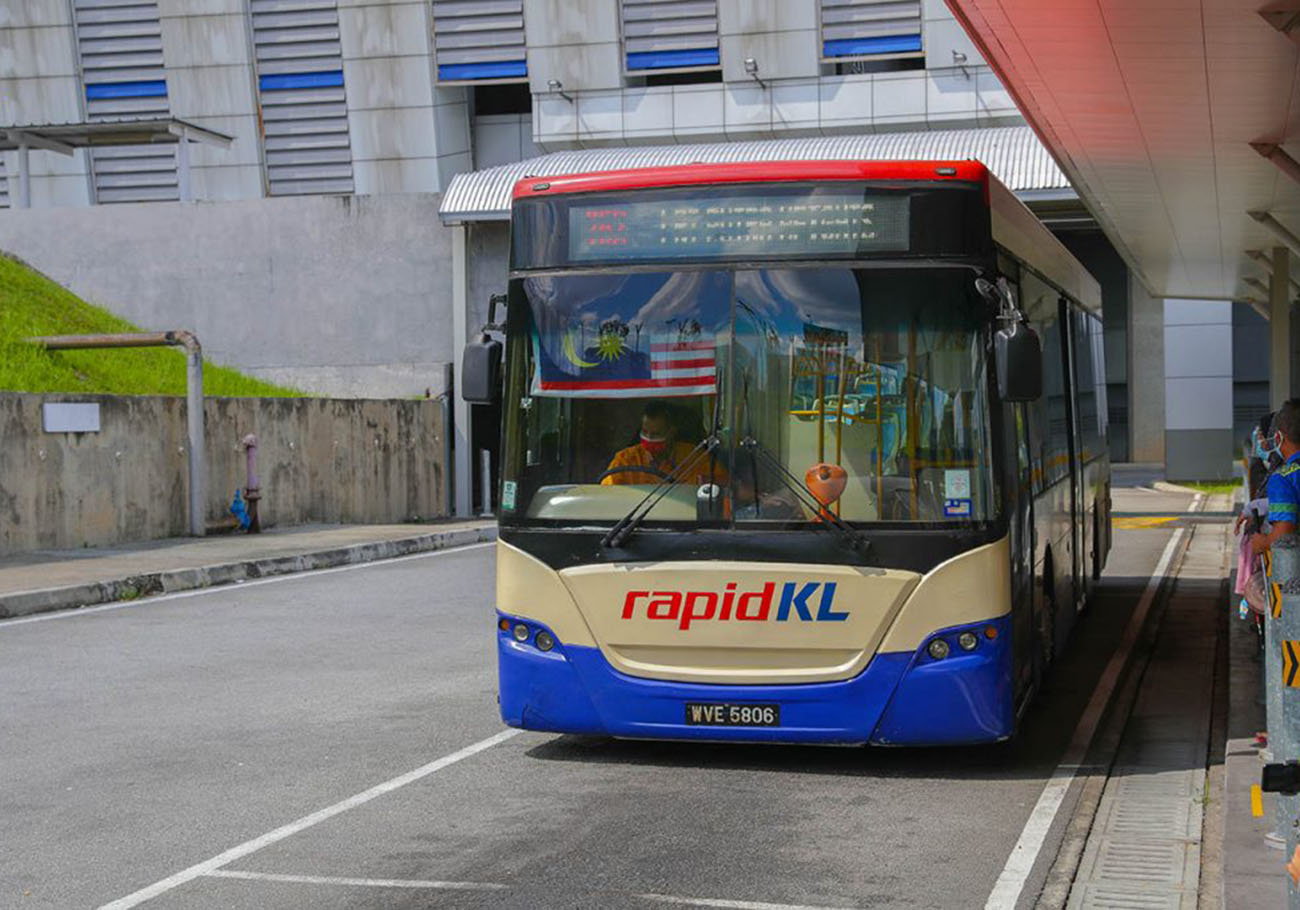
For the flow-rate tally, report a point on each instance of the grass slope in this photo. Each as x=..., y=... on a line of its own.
x=31, y=304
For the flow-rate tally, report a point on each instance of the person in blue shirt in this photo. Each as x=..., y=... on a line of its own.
x=1283, y=489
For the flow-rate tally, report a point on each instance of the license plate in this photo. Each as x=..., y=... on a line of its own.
x=716, y=714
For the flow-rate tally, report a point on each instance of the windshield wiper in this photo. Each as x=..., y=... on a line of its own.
x=852, y=536
x=624, y=527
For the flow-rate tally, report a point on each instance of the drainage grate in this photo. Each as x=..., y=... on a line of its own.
x=1144, y=850
x=1126, y=861
x=1102, y=898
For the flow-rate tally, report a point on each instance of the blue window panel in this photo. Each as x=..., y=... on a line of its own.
x=151, y=89
x=503, y=69
x=284, y=81
x=659, y=60
x=856, y=47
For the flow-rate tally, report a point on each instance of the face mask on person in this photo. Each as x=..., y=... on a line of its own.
x=654, y=444
x=1267, y=447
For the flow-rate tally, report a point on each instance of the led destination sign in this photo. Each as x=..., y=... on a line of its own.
x=739, y=227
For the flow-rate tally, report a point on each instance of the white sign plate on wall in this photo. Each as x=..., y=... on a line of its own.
x=71, y=416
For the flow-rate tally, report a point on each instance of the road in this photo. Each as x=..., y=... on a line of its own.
x=138, y=743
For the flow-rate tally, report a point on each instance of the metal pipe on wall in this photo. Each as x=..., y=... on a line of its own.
x=193, y=393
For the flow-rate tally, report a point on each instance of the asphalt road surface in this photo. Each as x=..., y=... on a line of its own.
x=179, y=752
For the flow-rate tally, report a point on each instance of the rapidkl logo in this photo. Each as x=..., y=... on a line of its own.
x=686, y=607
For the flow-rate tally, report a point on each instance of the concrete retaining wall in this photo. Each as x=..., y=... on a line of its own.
x=319, y=460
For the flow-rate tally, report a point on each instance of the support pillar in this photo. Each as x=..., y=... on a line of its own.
x=24, y=175
x=183, y=185
x=462, y=473
x=1279, y=327
x=1146, y=375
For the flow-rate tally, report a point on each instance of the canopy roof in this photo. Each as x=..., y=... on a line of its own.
x=63, y=137
x=1012, y=153
x=1169, y=119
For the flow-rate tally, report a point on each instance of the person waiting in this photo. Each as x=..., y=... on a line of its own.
x=1283, y=489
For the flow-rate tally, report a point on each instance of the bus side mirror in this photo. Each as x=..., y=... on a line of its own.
x=1019, y=357
x=480, y=371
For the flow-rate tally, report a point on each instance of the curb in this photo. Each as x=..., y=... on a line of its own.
x=133, y=587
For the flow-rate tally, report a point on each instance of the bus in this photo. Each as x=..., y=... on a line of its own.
x=800, y=451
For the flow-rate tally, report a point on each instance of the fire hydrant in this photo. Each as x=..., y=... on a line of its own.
x=252, y=491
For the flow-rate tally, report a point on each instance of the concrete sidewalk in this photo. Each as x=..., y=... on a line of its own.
x=63, y=579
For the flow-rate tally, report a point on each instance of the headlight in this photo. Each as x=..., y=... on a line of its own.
x=521, y=632
x=544, y=641
x=938, y=649
x=968, y=641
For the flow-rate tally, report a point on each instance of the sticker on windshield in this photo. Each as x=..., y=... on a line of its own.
x=956, y=508
x=956, y=485
x=508, y=496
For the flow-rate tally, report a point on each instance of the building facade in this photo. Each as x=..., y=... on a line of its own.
x=314, y=253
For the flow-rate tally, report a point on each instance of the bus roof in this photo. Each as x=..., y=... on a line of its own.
x=750, y=172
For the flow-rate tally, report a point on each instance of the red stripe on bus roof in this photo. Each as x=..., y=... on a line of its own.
x=748, y=172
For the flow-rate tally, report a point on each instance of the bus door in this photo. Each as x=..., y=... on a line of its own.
x=1025, y=608
x=1077, y=516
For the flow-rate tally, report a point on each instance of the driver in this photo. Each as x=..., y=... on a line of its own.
x=658, y=450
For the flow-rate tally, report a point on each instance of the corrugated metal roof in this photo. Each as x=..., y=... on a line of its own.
x=1013, y=153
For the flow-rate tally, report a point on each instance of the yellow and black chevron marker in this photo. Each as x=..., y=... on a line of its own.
x=1274, y=589
x=1291, y=663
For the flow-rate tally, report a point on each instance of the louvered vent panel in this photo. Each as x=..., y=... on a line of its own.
x=670, y=34
x=869, y=28
x=479, y=39
x=304, y=106
x=120, y=47
x=4, y=185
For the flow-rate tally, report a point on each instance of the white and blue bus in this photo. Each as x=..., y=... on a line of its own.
x=798, y=451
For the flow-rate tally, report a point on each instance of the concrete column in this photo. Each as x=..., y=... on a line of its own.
x=24, y=175
x=1279, y=348
x=463, y=472
x=1198, y=390
x=1146, y=375
x=184, y=188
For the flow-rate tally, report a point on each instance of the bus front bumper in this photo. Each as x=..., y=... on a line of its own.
x=900, y=699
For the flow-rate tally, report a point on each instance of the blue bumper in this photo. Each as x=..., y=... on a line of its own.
x=900, y=699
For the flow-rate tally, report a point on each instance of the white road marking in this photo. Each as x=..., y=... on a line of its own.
x=355, y=882
x=229, y=856
x=1019, y=865
x=234, y=586
x=435, y=885
x=728, y=904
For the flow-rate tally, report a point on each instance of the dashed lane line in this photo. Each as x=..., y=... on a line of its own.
x=417, y=884
x=208, y=866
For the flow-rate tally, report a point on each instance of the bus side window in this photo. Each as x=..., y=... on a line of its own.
x=1052, y=447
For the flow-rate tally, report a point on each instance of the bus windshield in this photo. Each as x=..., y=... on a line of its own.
x=865, y=387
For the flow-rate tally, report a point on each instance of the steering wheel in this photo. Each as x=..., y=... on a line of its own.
x=634, y=469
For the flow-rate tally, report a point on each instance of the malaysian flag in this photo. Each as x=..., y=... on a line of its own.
x=687, y=366
x=618, y=363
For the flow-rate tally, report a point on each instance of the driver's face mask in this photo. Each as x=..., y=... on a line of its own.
x=653, y=444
